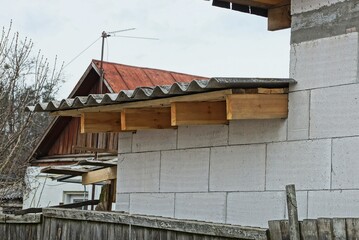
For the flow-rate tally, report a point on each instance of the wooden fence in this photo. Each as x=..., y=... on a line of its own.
x=318, y=229
x=71, y=224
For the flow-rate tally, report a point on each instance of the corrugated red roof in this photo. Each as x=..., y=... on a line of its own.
x=125, y=77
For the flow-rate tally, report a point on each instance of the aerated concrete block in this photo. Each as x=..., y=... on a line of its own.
x=157, y=204
x=257, y=131
x=255, y=208
x=184, y=170
x=122, y=202
x=202, y=136
x=343, y=203
x=306, y=164
x=154, y=140
x=325, y=62
x=300, y=6
x=237, y=168
x=138, y=172
x=208, y=207
x=335, y=112
x=124, y=142
x=298, y=116
x=345, y=163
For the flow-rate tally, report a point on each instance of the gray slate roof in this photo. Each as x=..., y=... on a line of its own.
x=148, y=93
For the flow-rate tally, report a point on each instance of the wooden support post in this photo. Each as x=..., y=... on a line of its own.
x=292, y=213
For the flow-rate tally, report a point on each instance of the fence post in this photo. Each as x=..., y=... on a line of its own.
x=292, y=213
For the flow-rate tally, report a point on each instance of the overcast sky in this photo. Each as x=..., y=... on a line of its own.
x=195, y=37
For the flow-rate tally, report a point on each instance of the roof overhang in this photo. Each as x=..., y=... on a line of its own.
x=277, y=11
x=204, y=102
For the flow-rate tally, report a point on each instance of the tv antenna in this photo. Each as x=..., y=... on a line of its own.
x=105, y=35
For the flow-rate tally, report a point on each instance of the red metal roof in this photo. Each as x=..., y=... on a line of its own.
x=125, y=77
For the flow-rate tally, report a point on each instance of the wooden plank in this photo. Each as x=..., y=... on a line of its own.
x=97, y=163
x=292, y=212
x=145, y=118
x=339, y=229
x=98, y=150
x=257, y=106
x=325, y=228
x=309, y=229
x=274, y=230
x=101, y=175
x=279, y=18
x=100, y=122
x=162, y=102
x=194, y=113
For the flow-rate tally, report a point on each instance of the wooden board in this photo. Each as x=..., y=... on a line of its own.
x=100, y=122
x=145, y=118
x=192, y=113
x=257, y=106
x=279, y=18
x=99, y=175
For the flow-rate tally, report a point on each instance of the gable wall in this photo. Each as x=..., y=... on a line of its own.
x=237, y=173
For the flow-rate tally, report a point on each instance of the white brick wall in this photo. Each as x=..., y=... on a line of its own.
x=122, y=202
x=303, y=163
x=341, y=203
x=125, y=142
x=257, y=131
x=237, y=168
x=300, y=6
x=255, y=208
x=298, y=115
x=184, y=170
x=210, y=207
x=138, y=172
x=325, y=62
x=335, y=112
x=160, y=204
x=202, y=136
x=345, y=163
x=154, y=140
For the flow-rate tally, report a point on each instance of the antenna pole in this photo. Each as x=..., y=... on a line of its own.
x=104, y=35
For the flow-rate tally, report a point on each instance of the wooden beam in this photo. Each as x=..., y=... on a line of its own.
x=257, y=106
x=94, y=150
x=162, y=102
x=100, y=122
x=279, y=18
x=145, y=118
x=101, y=175
x=193, y=113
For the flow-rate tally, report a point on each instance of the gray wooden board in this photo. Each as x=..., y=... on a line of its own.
x=309, y=229
x=325, y=228
x=339, y=229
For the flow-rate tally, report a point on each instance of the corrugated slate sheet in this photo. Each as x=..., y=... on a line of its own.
x=125, y=77
x=148, y=93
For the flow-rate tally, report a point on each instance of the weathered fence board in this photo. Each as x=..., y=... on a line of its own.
x=65, y=224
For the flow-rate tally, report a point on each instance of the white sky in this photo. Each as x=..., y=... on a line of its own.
x=195, y=37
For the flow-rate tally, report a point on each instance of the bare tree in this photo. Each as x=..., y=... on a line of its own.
x=25, y=78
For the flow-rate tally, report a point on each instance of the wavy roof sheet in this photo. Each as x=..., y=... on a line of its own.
x=148, y=93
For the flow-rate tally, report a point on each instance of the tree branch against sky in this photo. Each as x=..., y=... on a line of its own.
x=26, y=77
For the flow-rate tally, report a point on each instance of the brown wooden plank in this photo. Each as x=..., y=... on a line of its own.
x=339, y=229
x=279, y=18
x=100, y=122
x=101, y=175
x=145, y=118
x=257, y=106
x=275, y=230
x=194, y=113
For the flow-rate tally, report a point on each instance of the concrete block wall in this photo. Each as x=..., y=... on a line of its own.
x=237, y=173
